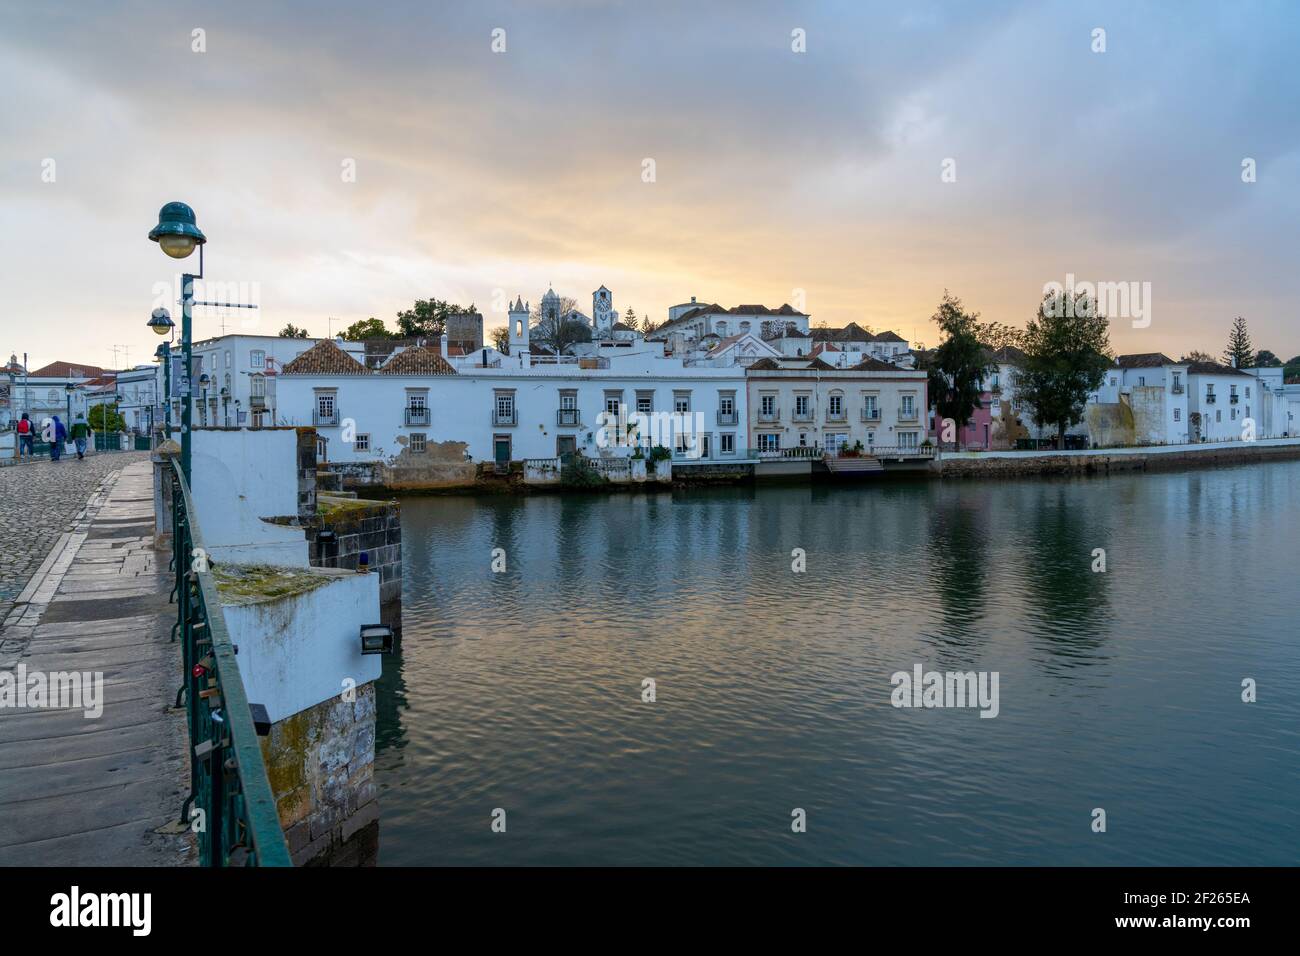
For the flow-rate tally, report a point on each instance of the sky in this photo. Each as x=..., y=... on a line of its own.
x=853, y=159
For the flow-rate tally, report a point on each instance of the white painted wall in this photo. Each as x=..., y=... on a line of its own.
x=297, y=651
x=239, y=478
x=461, y=406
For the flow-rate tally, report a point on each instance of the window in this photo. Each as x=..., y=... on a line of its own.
x=1178, y=414
x=726, y=404
x=418, y=442
x=1113, y=381
x=767, y=405
x=257, y=386
x=909, y=405
x=568, y=400
x=325, y=406
x=681, y=402
x=229, y=364
x=871, y=405
x=645, y=402
x=362, y=443
x=769, y=442
x=1142, y=380
x=728, y=440
x=503, y=407
x=801, y=406
x=837, y=406
x=907, y=439
x=257, y=359
x=613, y=400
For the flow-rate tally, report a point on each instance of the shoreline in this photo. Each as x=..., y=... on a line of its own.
x=952, y=465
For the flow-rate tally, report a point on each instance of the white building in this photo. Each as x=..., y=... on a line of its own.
x=418, y=403
x=241, y=373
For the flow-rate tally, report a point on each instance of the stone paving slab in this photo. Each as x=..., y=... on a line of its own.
x=106, y=790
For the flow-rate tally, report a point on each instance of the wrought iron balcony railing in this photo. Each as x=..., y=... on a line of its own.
x=504, y=418
x=228, y=780
x=319, y=418
x=568, y=417
x=768, y=417
x=1176, y=389
x=907, y=414
x=871, y=414
x=833, y=416
x=728, y=418
x=417, y=416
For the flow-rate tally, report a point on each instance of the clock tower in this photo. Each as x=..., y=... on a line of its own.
x=603, y=315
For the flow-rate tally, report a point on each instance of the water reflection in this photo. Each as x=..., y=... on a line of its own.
x=523, y=689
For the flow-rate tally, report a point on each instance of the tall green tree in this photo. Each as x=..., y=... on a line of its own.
x=1239, y=353
x=105, y=418
x=370, y=328
x=1266, y=359
x=427, y=318
x=292, y=331
x=957, y=367
x=1067, y=353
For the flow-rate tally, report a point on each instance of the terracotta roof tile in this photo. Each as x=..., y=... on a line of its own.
x=67, y=370
x=324, y=358
x=418, y=361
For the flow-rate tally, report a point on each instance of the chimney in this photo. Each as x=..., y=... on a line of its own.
x=443, y=344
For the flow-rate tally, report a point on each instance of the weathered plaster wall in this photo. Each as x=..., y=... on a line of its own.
x=1109, y=424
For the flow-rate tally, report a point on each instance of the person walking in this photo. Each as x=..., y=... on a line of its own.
x=80, y=432
x=59, y=432
x=26, y=437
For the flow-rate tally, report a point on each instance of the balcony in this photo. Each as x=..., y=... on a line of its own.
x=907, y=414
x=257, y=402
x=319, y=418
x=1209, y=399
x=504, y=417
x=767, y=418
x=417, y=416
x=728, y=418
x=1232, y=399
x=840, y=416
x=804, y=416
x=569, y=417
x=1177, y=389
x=871, y=414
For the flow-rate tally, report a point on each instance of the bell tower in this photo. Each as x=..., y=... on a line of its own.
x=518, y=338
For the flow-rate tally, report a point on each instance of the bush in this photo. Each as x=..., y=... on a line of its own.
x=578, y=473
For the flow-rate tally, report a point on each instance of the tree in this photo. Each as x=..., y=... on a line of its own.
x=106, y=418
x=1067, y=353
x=996, y=335
x=957, y=367
x=370, y=328
x=1266, y=359
x=427, y=318
x=556, y=329
x=648, y=325
x=292, y=331
x=1196, y=355
x=1239, y=353
x=501, y=339
x=629, y=319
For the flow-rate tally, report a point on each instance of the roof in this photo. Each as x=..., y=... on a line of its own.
x=1009, y=355
x=765, y=364
x=869, y=364
x=324, y=358
x=67, y=370
x=1212, y=368
x=1144, y=360
x=622, y=327
x=853, y=333
x=418, y=361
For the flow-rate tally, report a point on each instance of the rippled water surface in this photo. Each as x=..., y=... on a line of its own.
x=1122, y=690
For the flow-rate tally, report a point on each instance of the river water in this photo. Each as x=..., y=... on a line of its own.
x=1121, y=690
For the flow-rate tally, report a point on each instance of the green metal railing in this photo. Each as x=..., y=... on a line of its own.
x=230, y=796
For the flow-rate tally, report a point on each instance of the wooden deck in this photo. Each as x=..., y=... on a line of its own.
x=106, y=790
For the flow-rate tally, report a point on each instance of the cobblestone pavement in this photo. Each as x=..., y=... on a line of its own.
x=37, y=504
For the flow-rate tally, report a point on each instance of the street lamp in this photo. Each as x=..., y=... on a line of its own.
x=177, y=233
x=163, y=357
x=69, y=389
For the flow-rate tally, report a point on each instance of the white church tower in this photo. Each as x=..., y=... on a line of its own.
x=603, y=316
x=518, y=316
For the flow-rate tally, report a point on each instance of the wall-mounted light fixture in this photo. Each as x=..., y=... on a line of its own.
x=376, y=639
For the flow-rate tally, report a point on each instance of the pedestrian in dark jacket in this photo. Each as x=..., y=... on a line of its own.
x=60, y=435
x=80, y=432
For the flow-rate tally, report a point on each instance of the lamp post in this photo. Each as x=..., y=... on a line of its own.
x=161, y=322
x=177, y=234
x=68, y=390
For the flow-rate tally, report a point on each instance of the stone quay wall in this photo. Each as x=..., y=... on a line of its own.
x=1105, y=461
x=358, y=525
